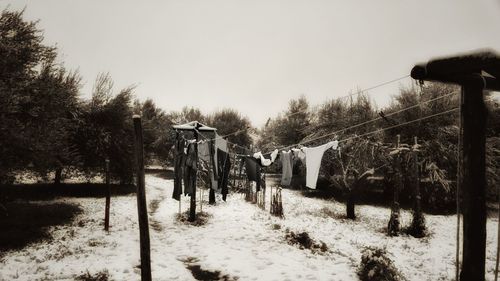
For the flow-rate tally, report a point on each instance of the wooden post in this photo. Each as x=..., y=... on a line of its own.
x=474, y=116
x=418, y=208
x=192, y=207
x=393, y=226
x=201, y=199
x=108, y=198
x=141, y=202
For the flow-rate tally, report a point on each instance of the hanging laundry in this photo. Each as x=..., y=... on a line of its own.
x=221, y=144
x=179, y=163
x=190, y=168
x=313, y=157
x=205, y=154
x=299, y=154
x=253, y=170
x=204, y=151
x=287, y=167
x=224, y=166
x=264, y=161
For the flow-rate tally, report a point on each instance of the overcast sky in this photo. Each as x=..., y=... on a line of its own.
x=256, y=55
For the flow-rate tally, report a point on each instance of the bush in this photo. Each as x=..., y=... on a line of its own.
x=98, y=276
x=375, y=265
x=305, y=242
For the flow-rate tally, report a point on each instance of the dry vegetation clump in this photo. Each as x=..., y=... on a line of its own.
x=375, y=265
x=202, y=218
x=98, y=276
x=305, y=242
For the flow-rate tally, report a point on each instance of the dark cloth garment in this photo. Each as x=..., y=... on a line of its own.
x=213, y=160
x=287, y=166
x=190, y=168
x=253, y=170
x=179, y=163
x=224, y=167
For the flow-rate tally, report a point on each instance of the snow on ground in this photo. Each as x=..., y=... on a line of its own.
x=240, y=240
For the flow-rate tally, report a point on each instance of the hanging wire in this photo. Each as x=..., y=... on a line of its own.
x=339, y=98
x=399, y=125
x=365, y=122
x=356, y=93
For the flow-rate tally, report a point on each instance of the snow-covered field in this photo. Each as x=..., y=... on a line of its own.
x=240, y=240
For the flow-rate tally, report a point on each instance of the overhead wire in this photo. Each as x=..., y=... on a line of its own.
x=339, y=98
x=365, y=122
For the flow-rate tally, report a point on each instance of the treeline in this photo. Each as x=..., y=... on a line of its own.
x=368, y=135
x=47, y=128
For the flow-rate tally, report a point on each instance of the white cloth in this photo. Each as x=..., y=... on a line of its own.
x=264, y=161
x=220, y=143
x=313, y=161
x=299, y=154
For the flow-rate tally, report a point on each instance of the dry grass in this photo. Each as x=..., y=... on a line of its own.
x=202, y=218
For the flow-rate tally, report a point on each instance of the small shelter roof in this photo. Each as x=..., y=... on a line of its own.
x=190, y=126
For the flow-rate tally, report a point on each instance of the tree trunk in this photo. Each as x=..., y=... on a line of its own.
x=211, y=197
x=350, y=205
x=393, y=226
x=417, y=228
x=58, y=176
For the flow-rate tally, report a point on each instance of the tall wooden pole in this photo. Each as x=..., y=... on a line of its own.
x=192, y=207
x=474, y=117
x=108, y=198
x=141, y=202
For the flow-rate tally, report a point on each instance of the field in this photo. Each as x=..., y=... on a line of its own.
x=234, y=240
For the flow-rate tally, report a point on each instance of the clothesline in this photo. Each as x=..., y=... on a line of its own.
x=338, y=99
x=356, y=93
x=365, y=122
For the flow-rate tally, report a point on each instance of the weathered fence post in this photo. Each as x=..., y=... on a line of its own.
x=474, y=181
x=467, y=71
x=108, y=198
x=141, y=202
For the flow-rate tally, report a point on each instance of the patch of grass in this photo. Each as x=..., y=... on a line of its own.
x=327, y=213
x=26, y=223
x=276, y=226
x=98, y=276
x=203, y=274
x=202, y=218
x=155, y=225
x=376, y=266
x=154, y=205
x=50, y=191
x=305, y=242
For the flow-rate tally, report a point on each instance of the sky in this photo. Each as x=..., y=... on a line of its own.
x=254, y=56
